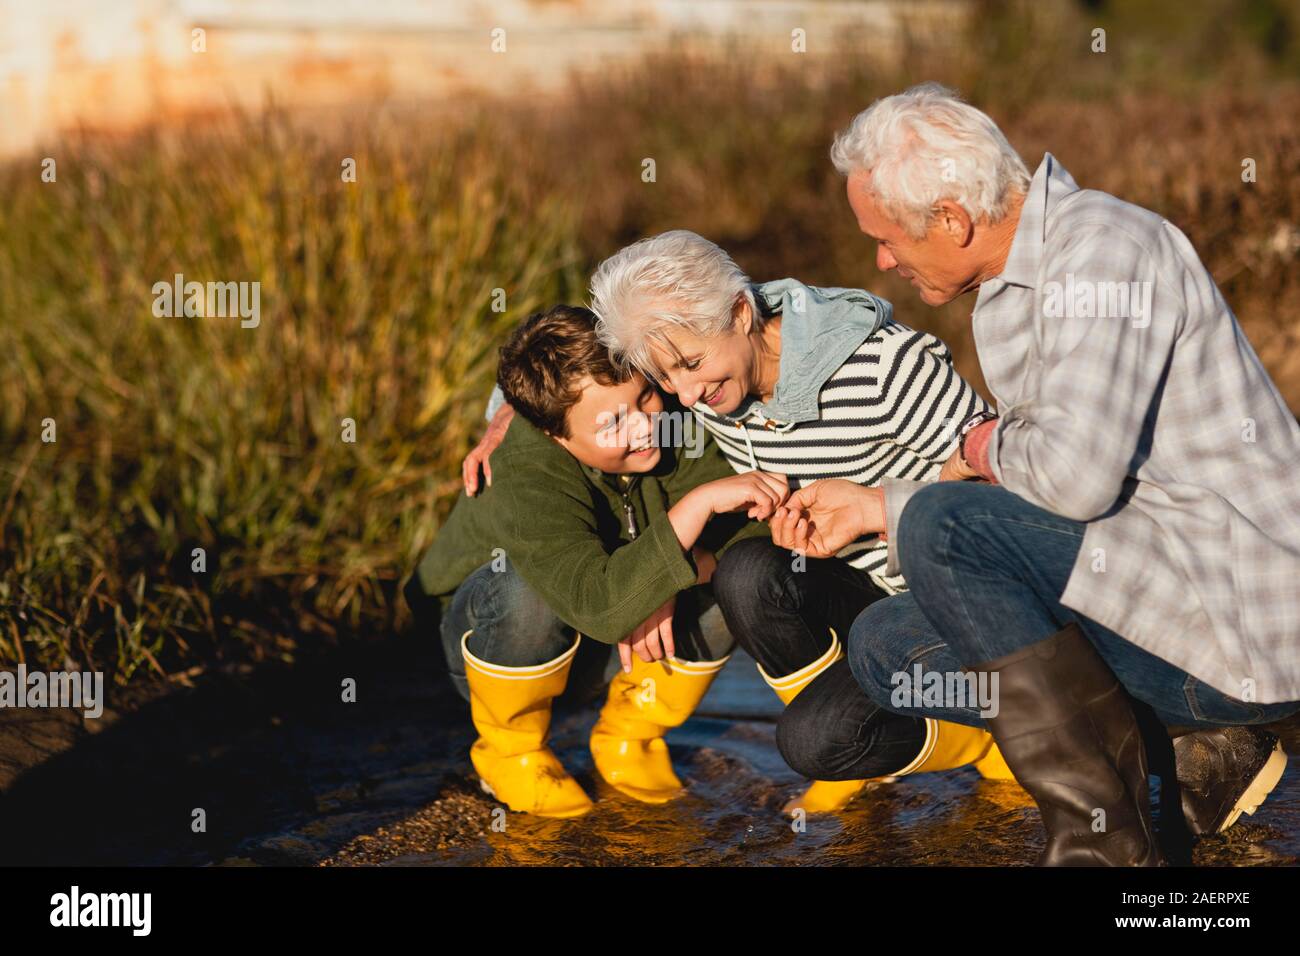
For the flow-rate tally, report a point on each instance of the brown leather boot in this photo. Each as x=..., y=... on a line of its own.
x=1066, y=728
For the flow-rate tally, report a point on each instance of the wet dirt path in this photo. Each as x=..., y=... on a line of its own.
x=288, y=775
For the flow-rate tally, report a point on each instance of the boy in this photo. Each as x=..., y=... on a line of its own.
x=590, y=527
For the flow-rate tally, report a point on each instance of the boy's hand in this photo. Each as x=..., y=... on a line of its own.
x=761, y=491
x=652, y=640
x=481, y=452
x=756, y=492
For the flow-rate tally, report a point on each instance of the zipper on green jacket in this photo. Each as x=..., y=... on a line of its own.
x=628, y=485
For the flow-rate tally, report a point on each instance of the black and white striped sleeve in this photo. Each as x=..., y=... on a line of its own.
x=928, y=398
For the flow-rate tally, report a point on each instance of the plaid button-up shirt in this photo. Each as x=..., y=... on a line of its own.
x=1131, y=400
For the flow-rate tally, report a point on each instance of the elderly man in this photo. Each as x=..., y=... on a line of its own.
x=1126, y=544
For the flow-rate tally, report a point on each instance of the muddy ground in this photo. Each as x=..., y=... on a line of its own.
x=287, y=774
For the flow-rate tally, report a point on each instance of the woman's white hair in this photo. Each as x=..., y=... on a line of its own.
x=926, y=145
x=676, y=280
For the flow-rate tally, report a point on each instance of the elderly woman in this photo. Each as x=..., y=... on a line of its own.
x=811, y=383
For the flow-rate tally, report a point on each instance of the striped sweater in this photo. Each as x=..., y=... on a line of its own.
x=892, y=410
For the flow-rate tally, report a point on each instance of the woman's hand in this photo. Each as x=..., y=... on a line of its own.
x=821, y=518
x=959, y=468
x=705, y=564
x=652, y=640
x=481, y=452
x=956, y=469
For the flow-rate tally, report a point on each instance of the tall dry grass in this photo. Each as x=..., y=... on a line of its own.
x=176, y=434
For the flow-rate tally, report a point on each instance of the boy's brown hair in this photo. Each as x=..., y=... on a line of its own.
x=544, y=363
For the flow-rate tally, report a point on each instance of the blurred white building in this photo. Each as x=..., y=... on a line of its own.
x=113, y=64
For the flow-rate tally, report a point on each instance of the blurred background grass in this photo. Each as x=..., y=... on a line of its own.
x=376, y=297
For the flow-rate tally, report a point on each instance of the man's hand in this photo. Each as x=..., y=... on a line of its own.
x=652, y=640
x=496, y=431
x=956, y=469
x=821, y=518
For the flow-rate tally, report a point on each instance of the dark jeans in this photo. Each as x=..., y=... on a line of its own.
x=783, y=617
x=514, y=627
x=986, y=570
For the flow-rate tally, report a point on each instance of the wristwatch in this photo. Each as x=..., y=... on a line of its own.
x=979, y=418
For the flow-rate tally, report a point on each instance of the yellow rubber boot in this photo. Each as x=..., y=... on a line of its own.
x=992, y=767
x=627, y=743
x=948, y=746
x=822, y=796
x=511, y=709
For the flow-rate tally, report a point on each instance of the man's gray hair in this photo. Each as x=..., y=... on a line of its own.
x=676, y=280
x=926, y=145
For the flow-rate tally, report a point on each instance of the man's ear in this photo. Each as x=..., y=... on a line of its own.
x=956, y=223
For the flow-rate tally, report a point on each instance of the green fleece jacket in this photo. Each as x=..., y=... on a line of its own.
x=563, y=527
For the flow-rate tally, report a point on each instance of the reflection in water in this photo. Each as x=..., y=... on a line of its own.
x=730, y=815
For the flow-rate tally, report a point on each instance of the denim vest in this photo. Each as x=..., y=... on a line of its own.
x=820, y=329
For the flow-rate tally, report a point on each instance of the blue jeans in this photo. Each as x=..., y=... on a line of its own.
x=514, y=627
x=986, y=570
x=783, y=617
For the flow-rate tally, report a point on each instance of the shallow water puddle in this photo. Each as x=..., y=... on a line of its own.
x=730, y=816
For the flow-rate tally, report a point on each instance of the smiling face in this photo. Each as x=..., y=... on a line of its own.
x=611, y=427
x=718, y=371
x=938, y=265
